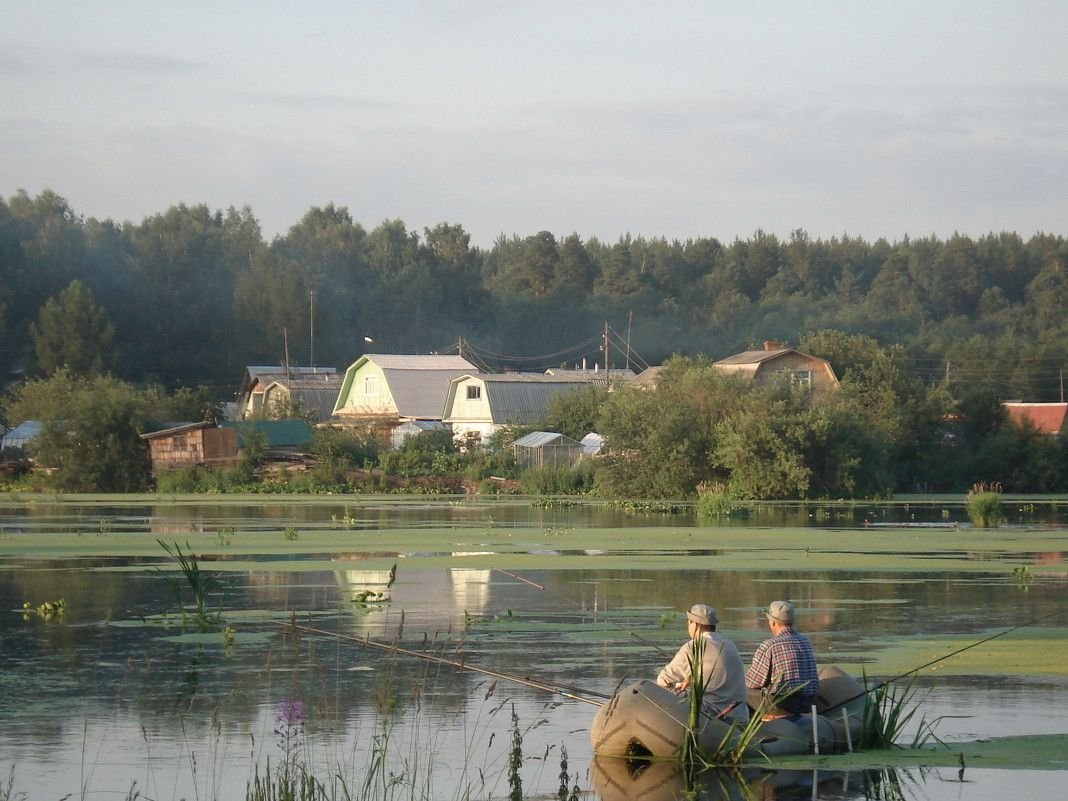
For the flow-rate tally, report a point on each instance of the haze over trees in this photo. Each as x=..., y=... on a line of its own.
x=918, y=329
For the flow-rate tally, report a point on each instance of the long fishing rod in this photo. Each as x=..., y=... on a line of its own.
x=566, y=692
x=882, y=684
x=577, y=605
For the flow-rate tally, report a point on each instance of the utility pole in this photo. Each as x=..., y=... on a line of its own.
x=311, y=326
x=285, y=348
x=607, y=359
x=1061, y=372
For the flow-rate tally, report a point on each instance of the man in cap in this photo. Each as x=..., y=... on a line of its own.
x=722, y=670
x=783, y=667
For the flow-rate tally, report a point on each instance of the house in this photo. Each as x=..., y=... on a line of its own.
x=482, y=404
x=546, y=449
x=774, y=362
x=258, y=378
x=1046, y=418
x=185, y=444
x=385, y=389
x=309, y=396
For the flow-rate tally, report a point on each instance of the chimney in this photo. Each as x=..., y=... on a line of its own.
x=771, y=344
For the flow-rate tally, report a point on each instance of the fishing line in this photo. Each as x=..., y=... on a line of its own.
x=564, y=690
x=942, y=659
x=600, y=617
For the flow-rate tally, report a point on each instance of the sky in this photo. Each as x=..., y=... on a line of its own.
x=673, y=118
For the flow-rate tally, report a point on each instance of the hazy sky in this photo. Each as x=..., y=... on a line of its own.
x=675, y=118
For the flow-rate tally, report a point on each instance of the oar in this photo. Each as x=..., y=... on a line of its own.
x=882, y=684
x=566, y=692
x=577, y=605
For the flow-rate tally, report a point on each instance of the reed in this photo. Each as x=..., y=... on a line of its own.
x=199, y=584
x=888, y=712
x=983, y=504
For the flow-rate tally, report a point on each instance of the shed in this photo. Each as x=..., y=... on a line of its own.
x=184, y=444
x=413, y=427
x=286, y=436
x=546, y=449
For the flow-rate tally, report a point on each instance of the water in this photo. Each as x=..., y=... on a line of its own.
x=117, y=693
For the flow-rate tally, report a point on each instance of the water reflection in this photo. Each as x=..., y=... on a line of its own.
x=620, y=780
x=118, y=674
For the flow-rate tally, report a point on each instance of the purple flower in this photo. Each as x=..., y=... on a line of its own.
x=290, y=713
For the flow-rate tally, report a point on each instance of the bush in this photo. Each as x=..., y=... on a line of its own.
x=983, y=504
x=714, y=502
x=576, y=480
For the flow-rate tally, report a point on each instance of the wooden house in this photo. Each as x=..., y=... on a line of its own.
x=386, y=389
x=188, y=444
x=773, y=362
x=250, y=396
x=310, y=396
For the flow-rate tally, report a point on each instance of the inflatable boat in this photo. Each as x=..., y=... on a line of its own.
x=644, y=720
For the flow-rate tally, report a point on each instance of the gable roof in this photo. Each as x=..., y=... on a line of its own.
x=418, y=383
x=1046, y=418
x=758, y=356
x=316, y=394
x=272, y=372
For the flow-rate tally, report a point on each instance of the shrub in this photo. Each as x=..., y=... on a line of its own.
x=714, y=502
x=983, y=504
x=576, y=480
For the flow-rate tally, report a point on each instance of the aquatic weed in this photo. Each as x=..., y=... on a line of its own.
x=198, y=582
x=983, y=504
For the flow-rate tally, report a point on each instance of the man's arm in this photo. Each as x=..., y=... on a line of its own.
x=759, y=673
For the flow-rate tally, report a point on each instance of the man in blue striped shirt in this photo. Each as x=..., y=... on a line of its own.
x=783, y=665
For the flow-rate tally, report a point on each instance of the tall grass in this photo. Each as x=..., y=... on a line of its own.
x=198, y=583
x=888, y=713
x=983, y=504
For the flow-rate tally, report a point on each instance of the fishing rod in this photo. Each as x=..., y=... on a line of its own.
x=882, y=684
x=577, y=605
x=564, y=690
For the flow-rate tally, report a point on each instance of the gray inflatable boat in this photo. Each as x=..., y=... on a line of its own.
x=646, y=720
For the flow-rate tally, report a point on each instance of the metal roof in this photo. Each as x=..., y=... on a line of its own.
x=432, y=361
x=757, y=356
x=175, y=428
x=593, y=376
x=316, y=393
x=1046, y=418
x=420, y=393
x=522, y=398
x=279, y=433
x=273, y=372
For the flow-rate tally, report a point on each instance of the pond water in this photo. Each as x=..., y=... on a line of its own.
x=117, y=694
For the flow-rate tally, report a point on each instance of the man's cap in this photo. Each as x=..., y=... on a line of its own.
x=782, y=611
x=703, y=614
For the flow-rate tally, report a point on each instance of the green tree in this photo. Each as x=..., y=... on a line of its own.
x=575, y=414
x=72, y=332
x=91, y=431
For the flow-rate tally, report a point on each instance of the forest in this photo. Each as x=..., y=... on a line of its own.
x=184, y=299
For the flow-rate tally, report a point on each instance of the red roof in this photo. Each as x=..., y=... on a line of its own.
x=1046, y=418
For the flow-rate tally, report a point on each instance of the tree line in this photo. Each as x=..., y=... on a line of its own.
x=190, y=295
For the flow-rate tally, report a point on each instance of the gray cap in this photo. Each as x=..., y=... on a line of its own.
x=782, y=611
x=703, y=614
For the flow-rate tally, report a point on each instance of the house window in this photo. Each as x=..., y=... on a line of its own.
x=180, y=443
x=800, y=377
x=474, y=393
x=370, y=385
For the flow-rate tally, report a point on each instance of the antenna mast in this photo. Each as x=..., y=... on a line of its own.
x=311, y=326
